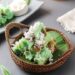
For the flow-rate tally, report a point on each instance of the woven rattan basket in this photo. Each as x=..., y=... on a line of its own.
x=34, y=67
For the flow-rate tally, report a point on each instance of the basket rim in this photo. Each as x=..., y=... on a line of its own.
x=69, y=51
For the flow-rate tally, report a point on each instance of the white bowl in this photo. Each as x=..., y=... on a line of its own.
x=22, y=11
x=19, y=7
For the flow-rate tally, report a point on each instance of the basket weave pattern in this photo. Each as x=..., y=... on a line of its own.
x=34, y=67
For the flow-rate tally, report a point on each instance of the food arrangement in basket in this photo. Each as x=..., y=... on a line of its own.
x=38, y=49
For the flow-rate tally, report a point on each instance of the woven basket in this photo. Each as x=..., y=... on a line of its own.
x=29, y=67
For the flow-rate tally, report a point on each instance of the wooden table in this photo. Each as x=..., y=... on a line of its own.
x=48, y=14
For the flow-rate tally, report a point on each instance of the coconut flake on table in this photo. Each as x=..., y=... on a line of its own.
x=68, y=21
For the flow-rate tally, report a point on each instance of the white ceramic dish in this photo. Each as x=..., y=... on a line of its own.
x=19, y=7
x=33, y=7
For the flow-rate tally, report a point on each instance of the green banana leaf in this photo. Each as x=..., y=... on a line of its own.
x=61, y=49
x=53, y=35
x=61, y=45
